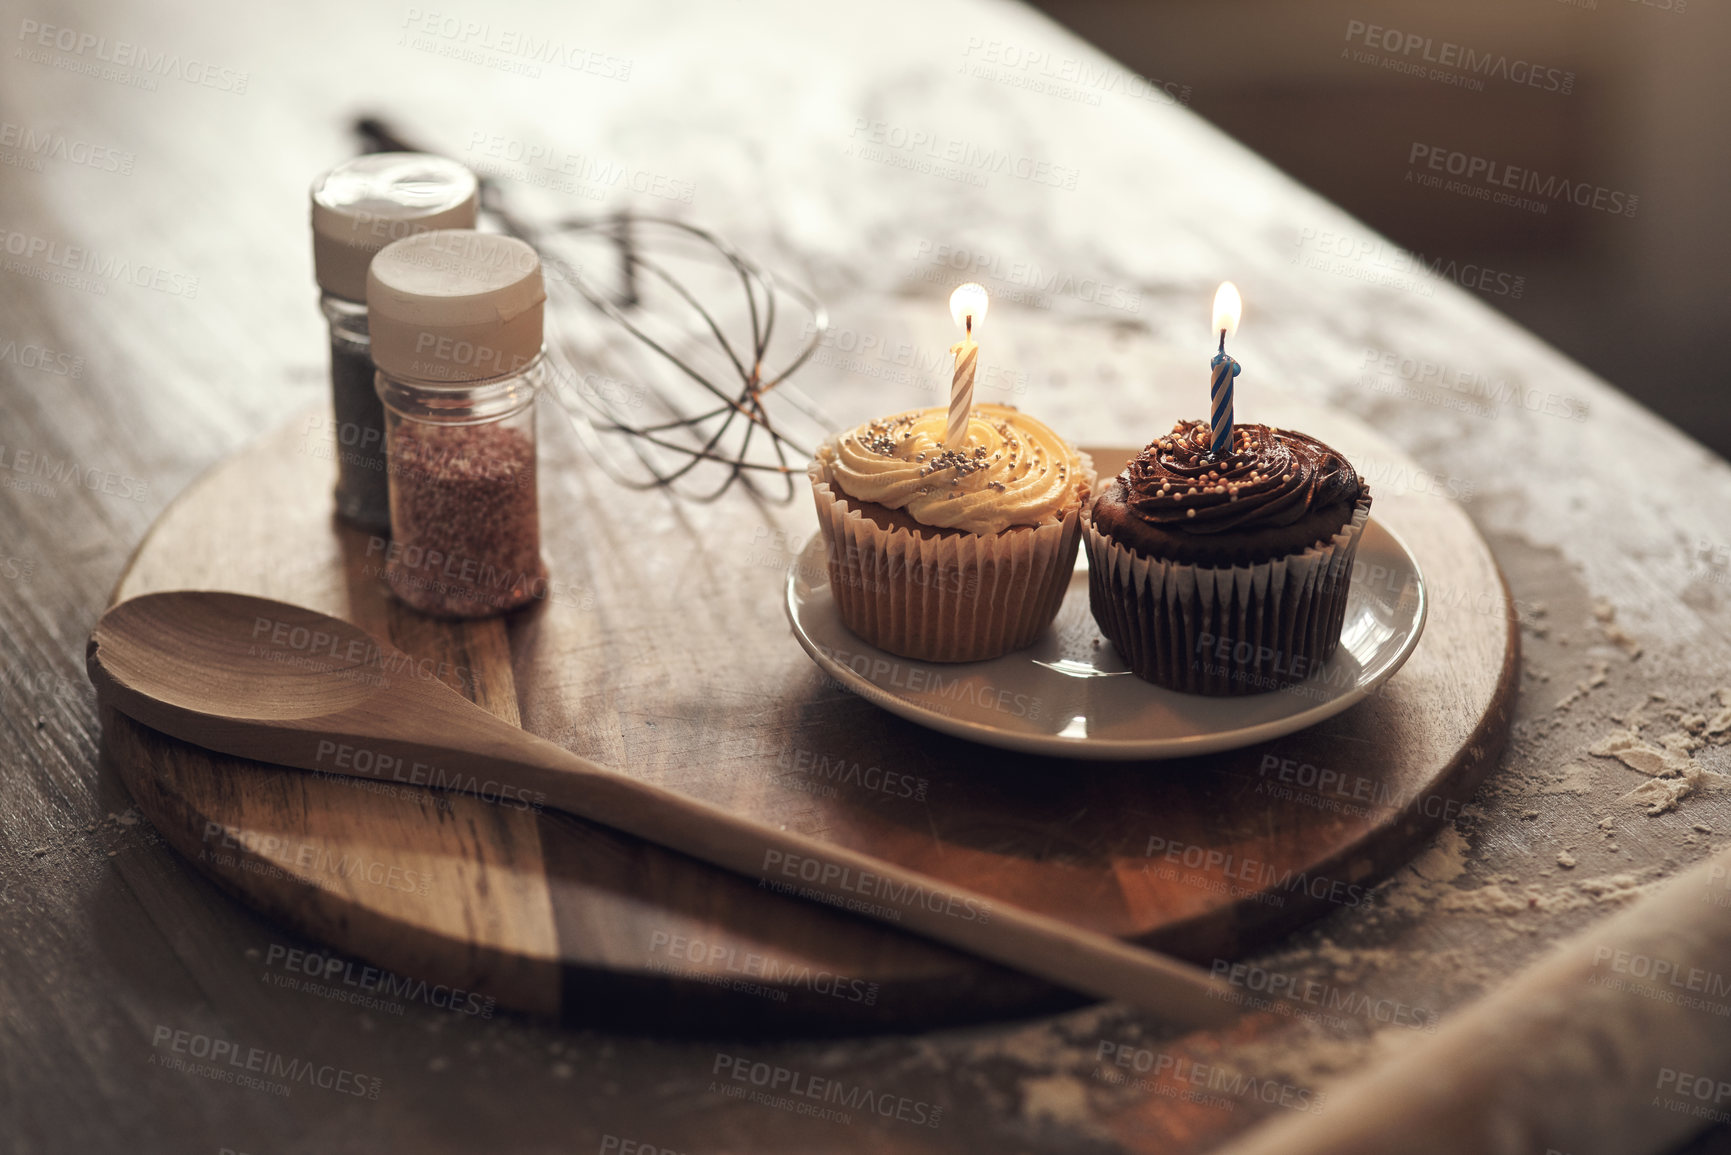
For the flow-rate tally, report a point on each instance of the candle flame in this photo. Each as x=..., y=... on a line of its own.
x=1228, y=306
x=968, y=300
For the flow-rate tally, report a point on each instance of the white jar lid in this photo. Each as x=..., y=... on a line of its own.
x=364, y=204
x=454, y=306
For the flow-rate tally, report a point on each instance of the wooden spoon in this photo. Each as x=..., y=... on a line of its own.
x=277, y=683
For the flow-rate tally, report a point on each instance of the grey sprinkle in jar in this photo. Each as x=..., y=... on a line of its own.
x=358, y=208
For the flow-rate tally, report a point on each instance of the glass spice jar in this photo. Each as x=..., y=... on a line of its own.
x=456, y=328
x=358, y=208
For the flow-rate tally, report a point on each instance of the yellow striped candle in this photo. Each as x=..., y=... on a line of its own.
x=968, y=309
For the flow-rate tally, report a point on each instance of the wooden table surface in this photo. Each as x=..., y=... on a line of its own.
x=157, y=313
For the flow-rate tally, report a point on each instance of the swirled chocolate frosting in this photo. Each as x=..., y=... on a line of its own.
x=1276, y=492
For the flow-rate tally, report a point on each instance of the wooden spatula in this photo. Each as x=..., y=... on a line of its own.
x=277, y=683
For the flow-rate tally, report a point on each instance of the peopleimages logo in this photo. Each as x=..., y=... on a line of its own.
x=1372, y=259
x=42, y=359
x=277, y=856
x=46, y=472
x=1066, y=77
x=228, y=1061
x=37, y=36
x=327, y=976
x=1424, y=374
x=946, y=694
x=817, y=1096
x=344, y=758
x=838, y=768
x=43, y=253
x=58, y=146
x=833, y=877
x=1260, y=876
x=543, y=164
x=1177, y=1076
x=1328, y=998
x=1484, y=179
x=1708, y=1092
x=1042, y=283
x=953, y=158
x=704, y=958
x=1654, y=971
x=480, y=42
x=1454, y=62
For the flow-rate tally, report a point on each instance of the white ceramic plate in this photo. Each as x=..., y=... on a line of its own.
x=1070, y=695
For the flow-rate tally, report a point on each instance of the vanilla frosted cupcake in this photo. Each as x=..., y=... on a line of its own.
x=950, y=556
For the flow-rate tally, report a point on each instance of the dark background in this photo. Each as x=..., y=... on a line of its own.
x=1639, y=299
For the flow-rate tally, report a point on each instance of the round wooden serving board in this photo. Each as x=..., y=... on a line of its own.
x=663, y=651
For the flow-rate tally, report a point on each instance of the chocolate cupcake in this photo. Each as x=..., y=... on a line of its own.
x=950, y=556
x=1226, y=575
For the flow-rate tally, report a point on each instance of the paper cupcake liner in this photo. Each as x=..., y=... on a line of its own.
x=1223, y=630
x=946, y=597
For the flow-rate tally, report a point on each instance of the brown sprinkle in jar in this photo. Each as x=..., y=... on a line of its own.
x=456, y=326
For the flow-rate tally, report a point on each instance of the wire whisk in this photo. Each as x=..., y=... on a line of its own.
x=660, y=389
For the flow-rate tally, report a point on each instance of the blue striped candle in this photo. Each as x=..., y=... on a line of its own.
x=1220, y=397
x=1227, y=308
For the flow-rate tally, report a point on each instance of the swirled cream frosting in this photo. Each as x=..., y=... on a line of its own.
x=1011, y=470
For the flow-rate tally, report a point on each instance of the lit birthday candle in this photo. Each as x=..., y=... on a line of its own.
x=1227, y=307
x=968, y=308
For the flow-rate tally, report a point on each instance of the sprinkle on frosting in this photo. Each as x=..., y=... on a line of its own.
x=1270, y=477
x=1011, y=469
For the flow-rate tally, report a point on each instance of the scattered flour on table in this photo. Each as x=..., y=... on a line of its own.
x=1492, y=898
x=1442, y=879
x=1606, y=613
x=1629, y=748
x=1445, y=860
x=1056, y=1098
x=1600, y=675
x=1575, y=778
x=1308, y=1057
x=1616, y=888
x=1348, y=965
x=1673, y=774
x=1028, y=1044
x=1417, y=885
x=1660, y=795
x=1429, y=882
x=1718, y=729
x=1447, y=878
